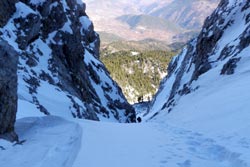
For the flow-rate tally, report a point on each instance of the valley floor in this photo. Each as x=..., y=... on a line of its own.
x=54, y=142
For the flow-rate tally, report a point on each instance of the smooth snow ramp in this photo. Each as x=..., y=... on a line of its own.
x=50, y=142
x=54, y=142
x=119, y=145
x=154, y=145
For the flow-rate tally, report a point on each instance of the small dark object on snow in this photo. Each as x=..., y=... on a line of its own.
x=19, y=142
x=2, y=148
x=139, y=119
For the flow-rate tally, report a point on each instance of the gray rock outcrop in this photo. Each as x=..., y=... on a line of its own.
x=7, y=10
x=59, y=71
x=8, y=90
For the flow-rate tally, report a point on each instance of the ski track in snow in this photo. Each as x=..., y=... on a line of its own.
x=54, y=142
x=151, y=145
x=189, y=148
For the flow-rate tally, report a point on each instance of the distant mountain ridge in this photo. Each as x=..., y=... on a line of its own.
x=148, y=22
x=156, y=19
x=189, y=14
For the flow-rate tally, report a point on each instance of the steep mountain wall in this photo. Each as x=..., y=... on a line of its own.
x=214, y=61
x=59, y=71
x=8, y=90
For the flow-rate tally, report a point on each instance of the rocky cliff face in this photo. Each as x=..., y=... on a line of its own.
x=8, y=90
x=59, y=71
x=217, y=56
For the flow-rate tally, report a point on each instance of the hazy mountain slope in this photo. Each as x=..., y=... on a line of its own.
x=148, y=22
x=144, y=46
x=59, y=71
x=109, y=37
x=188, y=14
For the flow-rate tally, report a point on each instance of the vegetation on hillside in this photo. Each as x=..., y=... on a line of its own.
x=138, y=73
x=109, y=37
x=146, y=45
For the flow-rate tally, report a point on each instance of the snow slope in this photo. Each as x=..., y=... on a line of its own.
x=156, y=145
x=61, y=143
x=208, y=123
x=215, y=62
x=50, y=141
x=200, y=116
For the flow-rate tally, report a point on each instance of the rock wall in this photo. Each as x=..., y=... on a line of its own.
x=59, y=71
x=8, y=88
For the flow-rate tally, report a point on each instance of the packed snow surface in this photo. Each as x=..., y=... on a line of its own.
x=55, y=142
x=50, y=142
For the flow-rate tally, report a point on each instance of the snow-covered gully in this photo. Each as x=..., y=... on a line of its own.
x=152, y=145
x=54, y=142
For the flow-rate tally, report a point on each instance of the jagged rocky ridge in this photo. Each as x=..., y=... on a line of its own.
x=59, y=71
x=219, y=53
